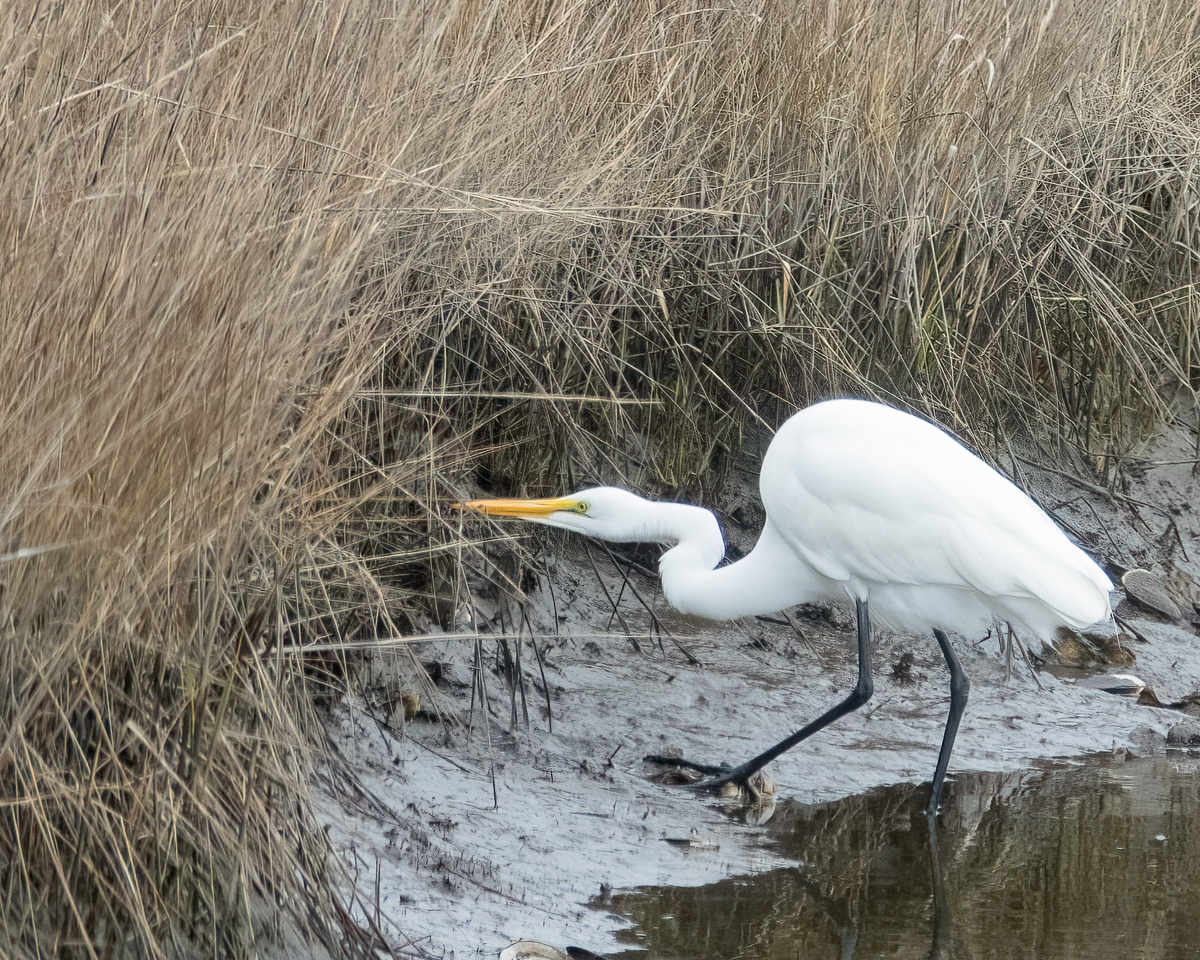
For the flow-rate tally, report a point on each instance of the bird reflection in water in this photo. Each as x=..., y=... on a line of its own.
x=1100, y=861
x=837, y=909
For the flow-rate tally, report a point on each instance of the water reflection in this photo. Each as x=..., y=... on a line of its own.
x=1097, y=861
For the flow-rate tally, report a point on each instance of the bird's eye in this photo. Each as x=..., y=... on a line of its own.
x=582, y=507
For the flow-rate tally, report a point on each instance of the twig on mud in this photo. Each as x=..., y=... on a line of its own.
x=1090, y=486
x=1174, y=528
x=398, y=734
x=1100, y=525
x=483, y=711
x=795, y=625
x=541, y=666
x=1014, y=639
x=440, y=756
x=512, y=665
x=1126, y=625
x=632, y=564
x=616, y=613
x=658, y=624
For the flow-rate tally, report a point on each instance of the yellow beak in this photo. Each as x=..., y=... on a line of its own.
x=526, y=509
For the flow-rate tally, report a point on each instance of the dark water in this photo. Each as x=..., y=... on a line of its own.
x=1082, y=863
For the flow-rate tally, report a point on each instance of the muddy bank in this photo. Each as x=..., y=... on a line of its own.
x=464, y=843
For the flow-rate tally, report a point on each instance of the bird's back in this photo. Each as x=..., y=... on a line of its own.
x=888, y=506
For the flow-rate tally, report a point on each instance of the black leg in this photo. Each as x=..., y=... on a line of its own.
x=858, y=696
x=960, y=687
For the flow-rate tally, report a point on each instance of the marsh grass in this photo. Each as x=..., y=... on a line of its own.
x=280, y=281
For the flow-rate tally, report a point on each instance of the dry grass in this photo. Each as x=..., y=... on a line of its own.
x=276, y=279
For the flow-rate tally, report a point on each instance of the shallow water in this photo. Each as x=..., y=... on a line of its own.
x=1095, y=860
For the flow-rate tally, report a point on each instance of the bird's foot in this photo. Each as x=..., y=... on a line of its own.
x=748, y=785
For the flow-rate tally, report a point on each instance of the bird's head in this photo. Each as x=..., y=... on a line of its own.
x=606, y=513
x=610, y=513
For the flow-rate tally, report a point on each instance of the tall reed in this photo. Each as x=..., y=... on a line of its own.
x=278, y=280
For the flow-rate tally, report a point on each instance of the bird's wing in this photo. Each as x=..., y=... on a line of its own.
x=866, y=493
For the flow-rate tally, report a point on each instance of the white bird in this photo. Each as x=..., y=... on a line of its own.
x=866, y=503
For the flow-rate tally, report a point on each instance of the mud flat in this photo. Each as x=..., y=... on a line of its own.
x=462, y=844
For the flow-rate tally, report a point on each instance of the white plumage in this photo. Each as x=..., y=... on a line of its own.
x=894, y=510
x=870, y=504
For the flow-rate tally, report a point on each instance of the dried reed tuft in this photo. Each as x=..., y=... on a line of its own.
x=278, y=278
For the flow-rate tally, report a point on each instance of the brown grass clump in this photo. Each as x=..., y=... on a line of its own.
x=174, y=294
x=275, y=278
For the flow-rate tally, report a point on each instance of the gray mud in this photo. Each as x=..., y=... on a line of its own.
x=464, y=843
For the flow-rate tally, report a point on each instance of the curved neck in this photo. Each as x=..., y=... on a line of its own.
x=770, y=577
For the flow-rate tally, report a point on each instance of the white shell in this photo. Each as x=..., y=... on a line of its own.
x=523, y=949
x=1122, y=684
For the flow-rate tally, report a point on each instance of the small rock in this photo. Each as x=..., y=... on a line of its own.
x=1150, y=592
x=1189, y=705
x=1071, y=650
x=1117, y=650
x=579, y=953
x=694, y=842
x=1145, y=741
x=1122, y=684
x=1184, y=734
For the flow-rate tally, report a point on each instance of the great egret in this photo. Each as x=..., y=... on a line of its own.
x=866, y=503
